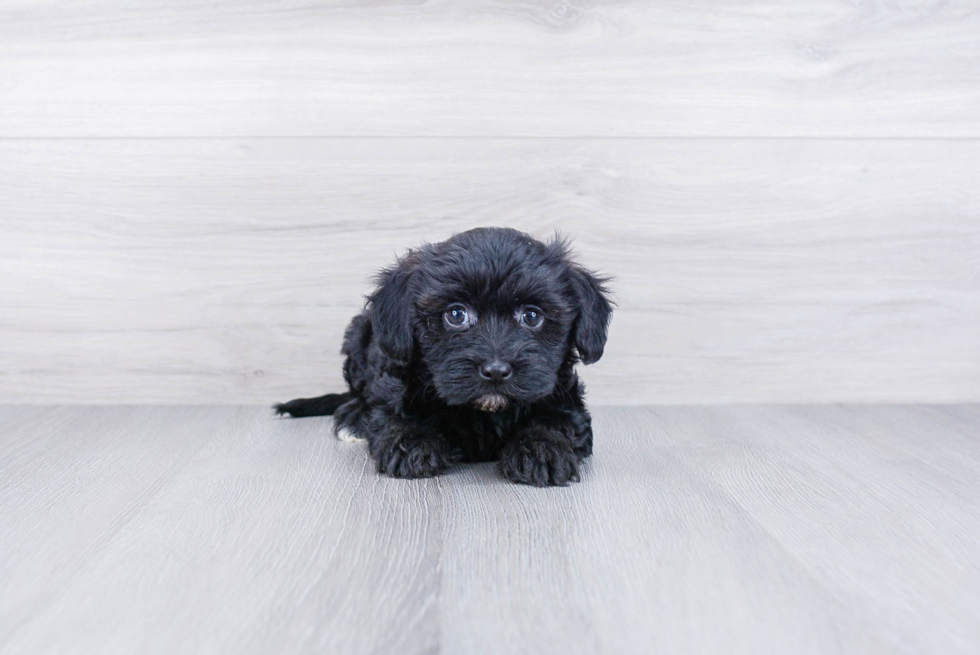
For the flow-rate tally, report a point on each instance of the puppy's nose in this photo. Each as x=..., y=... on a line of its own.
x=495, y=371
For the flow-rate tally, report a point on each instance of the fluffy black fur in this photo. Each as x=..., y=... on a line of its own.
x=466, y=351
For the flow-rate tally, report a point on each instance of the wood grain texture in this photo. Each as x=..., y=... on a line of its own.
x=490, y=68
x=71, y=480
x=907, y=478
x=269, y=539
x=809, y=529
x=647, y=555
x=225, y=271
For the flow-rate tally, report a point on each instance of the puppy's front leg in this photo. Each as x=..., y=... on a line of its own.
x=408, y=448
x=543, y=454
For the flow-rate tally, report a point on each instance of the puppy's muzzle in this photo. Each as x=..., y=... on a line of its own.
x=492, y=402
x=496, y=371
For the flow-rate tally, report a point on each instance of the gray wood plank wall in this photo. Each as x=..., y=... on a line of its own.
x=193, y=198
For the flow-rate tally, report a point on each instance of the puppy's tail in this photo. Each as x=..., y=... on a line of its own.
x=322, y=406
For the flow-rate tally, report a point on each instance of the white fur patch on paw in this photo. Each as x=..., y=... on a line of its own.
x=343, y=434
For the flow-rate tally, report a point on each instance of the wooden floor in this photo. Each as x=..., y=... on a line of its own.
x=743, y=529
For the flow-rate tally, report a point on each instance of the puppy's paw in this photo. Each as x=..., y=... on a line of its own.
x=347, y=436
x=416, y=457
x=540, y=463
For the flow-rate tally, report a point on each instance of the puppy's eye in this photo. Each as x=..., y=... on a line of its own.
x=457, y=315
x=531, y=317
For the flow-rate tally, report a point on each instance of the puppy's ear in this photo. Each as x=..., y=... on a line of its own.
x=391, y=309
x=595, y=309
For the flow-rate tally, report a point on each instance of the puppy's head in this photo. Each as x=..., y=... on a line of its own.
x=493, y=314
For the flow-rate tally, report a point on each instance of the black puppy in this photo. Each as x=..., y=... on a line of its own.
x=466, y=351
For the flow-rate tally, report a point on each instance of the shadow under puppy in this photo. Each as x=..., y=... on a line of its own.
x=466, y=351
